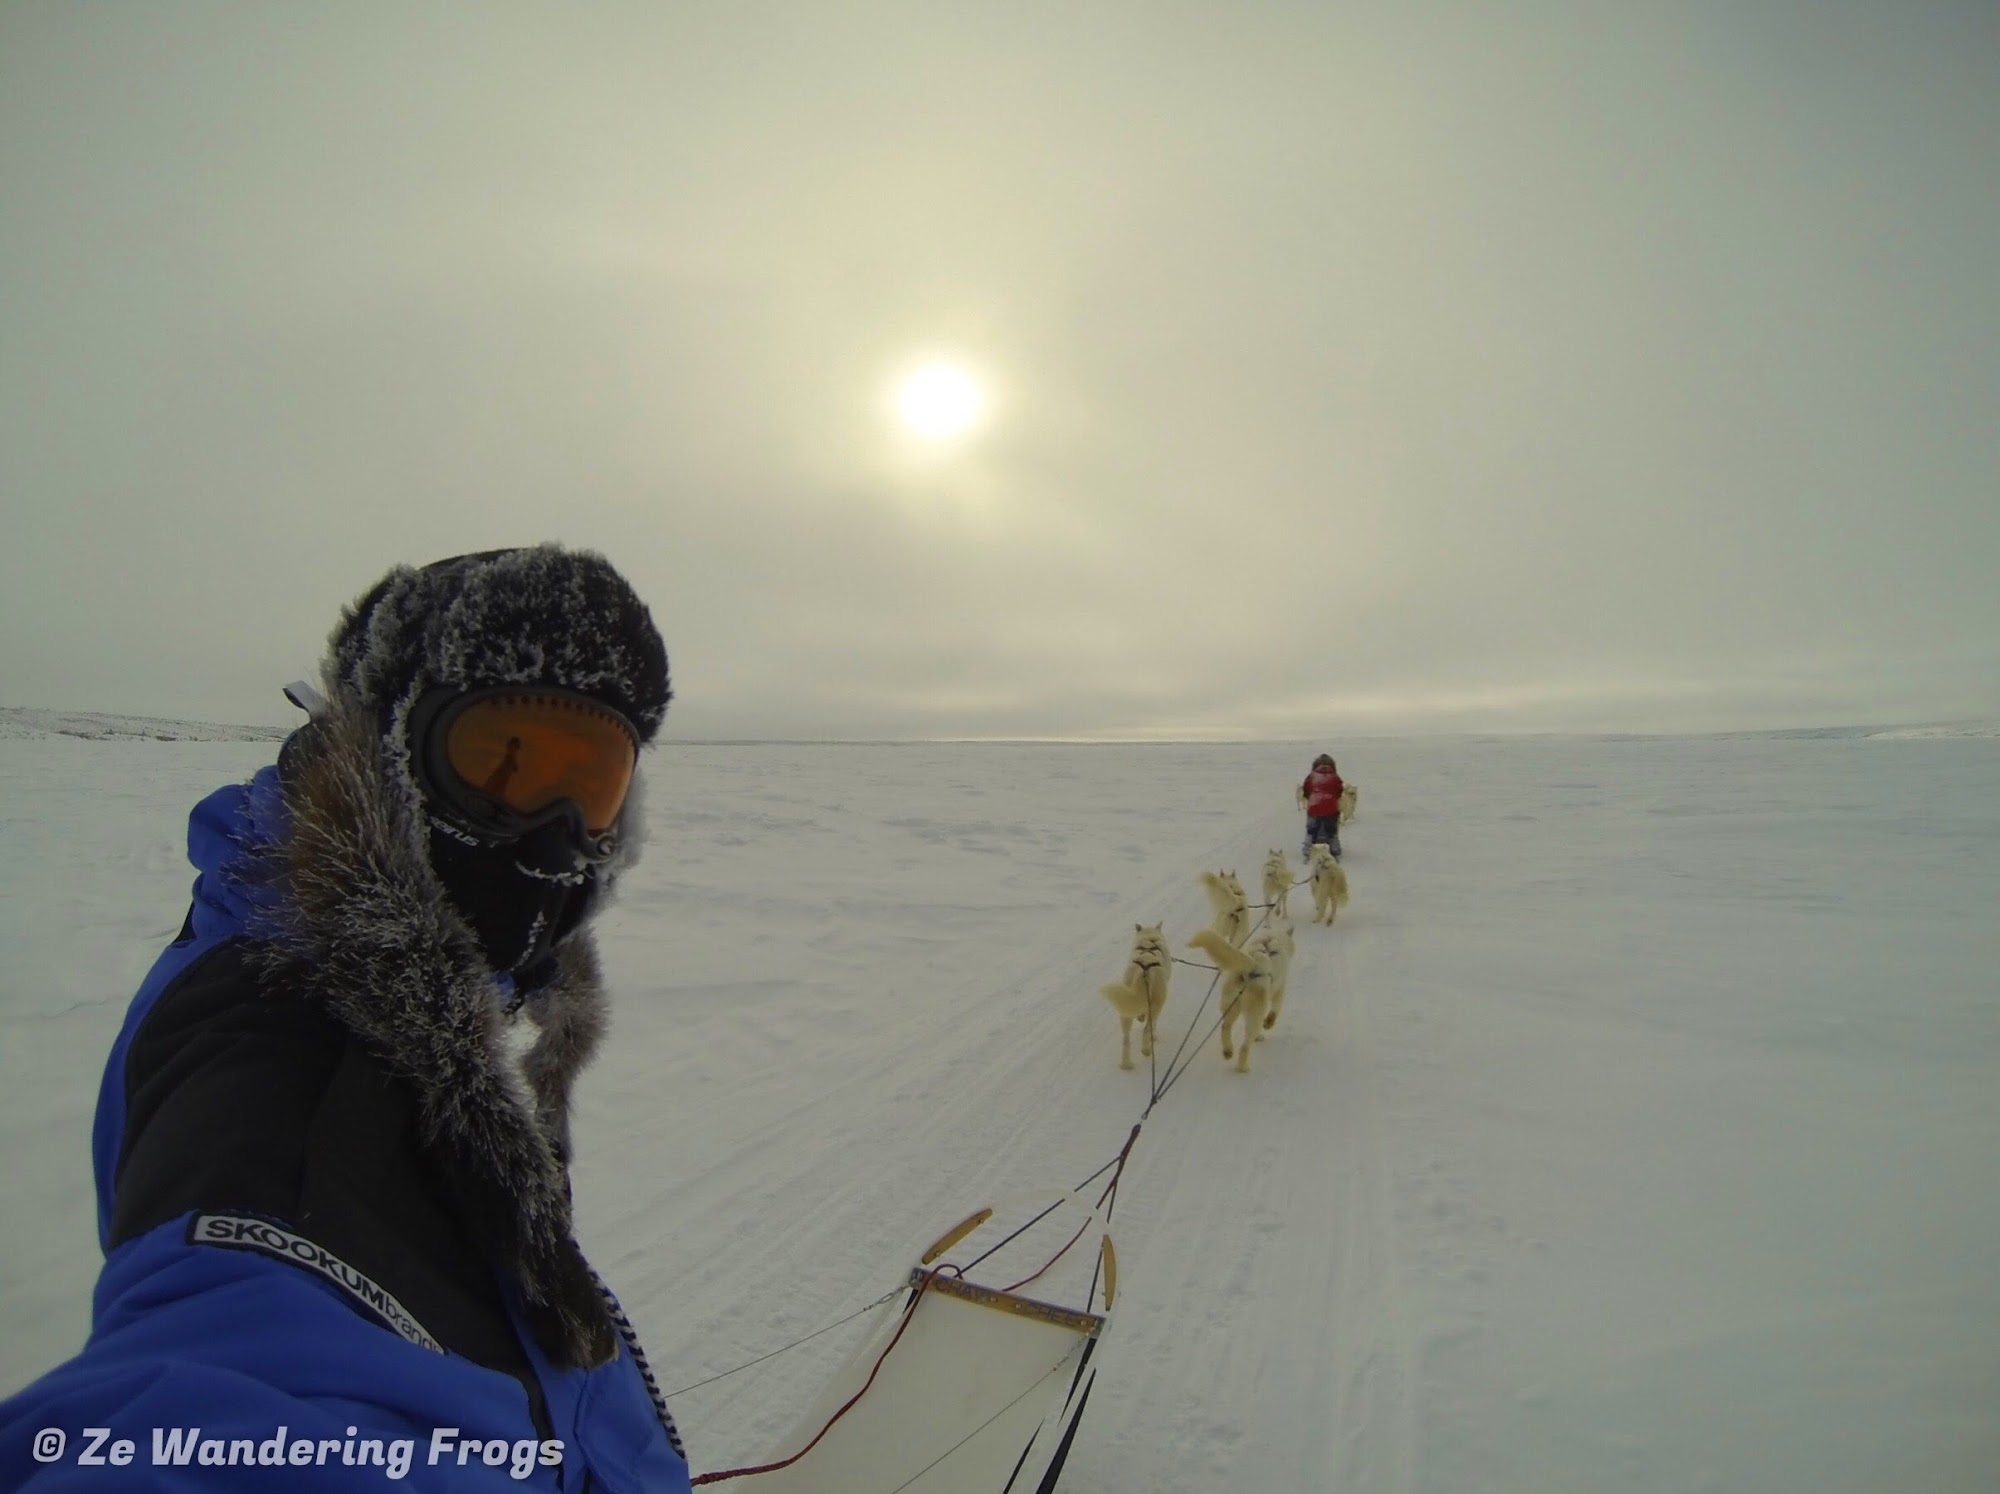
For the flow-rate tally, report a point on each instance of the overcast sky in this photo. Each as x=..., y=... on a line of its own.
x=1349, y=368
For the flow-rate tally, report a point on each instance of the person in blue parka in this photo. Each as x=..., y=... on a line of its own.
x=334, y=1203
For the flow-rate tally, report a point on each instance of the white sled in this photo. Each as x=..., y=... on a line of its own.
x=959, y=1387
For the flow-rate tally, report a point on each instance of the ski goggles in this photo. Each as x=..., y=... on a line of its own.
x=509, y=759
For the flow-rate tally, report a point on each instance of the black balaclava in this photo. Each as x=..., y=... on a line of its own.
x=536, y=616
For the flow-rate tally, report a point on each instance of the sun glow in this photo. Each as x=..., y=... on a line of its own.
x=940, y=401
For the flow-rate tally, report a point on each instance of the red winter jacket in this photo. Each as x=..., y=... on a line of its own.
x=1322, y=788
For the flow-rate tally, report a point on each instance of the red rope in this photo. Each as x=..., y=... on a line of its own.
x=909, y=1312
x=1109, y=1189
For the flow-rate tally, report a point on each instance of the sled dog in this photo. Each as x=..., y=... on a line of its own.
x=1275, y=941
x=1329, y=885
x=1349, y=797
x=1278, y=884
x=1142, y=994
x=1232, y=908
x=1245, y=991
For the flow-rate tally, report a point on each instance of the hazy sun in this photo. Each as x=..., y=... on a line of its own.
x=939, y=401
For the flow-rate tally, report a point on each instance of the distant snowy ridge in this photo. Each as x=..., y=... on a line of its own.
x=1955, y=729
x=1878, y=732
x=18, y=722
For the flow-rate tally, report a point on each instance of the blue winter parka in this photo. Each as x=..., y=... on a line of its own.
x=290, y=1297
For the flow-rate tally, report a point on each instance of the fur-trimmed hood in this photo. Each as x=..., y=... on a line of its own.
x=352, y=916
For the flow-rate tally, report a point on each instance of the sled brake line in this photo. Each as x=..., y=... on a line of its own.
x=1109, y=1194
x=887, y=1296
x=909, y=1312
x=1008, y=1240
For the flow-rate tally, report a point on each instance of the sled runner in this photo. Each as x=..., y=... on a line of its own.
x=960, y=1386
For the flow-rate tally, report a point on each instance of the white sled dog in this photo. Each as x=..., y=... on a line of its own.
x=1245, y=993
x=1278, y=884
x=1349, y=797
x=1142, y=995
x=1329, y=885
x=1275, y=940
x=1232, y=907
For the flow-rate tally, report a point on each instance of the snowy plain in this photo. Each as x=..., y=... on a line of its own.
x=1636, y=1128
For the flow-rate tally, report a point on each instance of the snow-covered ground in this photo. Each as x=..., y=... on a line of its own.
x=1637, y=1128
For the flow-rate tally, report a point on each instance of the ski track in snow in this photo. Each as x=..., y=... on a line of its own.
x=1633, y=1129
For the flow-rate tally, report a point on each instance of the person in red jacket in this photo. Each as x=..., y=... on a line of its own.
x=1320, y=794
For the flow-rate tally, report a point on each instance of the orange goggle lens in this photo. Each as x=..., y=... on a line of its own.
x=530, y=751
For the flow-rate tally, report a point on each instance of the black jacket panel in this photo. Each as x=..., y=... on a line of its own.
x=244, y=1098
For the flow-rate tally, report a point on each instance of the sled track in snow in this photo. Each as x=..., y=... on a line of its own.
x=1253, y=1202
x=1376, y=1408
x=1249, y=1202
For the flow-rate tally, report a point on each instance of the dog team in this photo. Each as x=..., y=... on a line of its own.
x=1254, y=960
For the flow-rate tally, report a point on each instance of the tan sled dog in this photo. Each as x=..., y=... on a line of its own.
x=1275, y=940
x=1329, y=885
x=1142, y=995
x=1245, y=993
x=1232, y=908
x=1278, y=884
x=1349, y=797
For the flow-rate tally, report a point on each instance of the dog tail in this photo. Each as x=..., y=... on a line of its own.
x=1226, y=955
x=1116, y=993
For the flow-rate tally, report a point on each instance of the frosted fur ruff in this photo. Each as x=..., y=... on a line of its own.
x=539, y=615
x=362, y=927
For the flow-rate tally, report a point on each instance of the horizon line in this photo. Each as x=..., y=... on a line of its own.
x=254, y=731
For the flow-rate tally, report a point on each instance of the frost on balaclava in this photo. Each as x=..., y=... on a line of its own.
x=535, y=616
